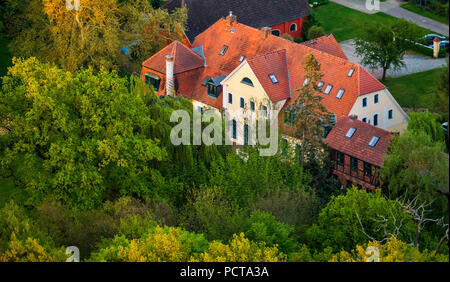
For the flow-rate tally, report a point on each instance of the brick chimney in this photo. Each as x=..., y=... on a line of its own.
x=266, y=31
x=436, y=46
x=231, y=18
x=170, y=89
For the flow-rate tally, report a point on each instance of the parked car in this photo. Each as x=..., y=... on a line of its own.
x=428, y=39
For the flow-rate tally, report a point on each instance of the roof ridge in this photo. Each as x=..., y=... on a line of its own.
x=267, y=53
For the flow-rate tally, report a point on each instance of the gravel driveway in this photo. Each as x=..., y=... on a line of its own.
x=413, y=63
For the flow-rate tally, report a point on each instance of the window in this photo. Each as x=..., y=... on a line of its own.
x=328, y=89
x=350, y=132
x=293, y=28
x=230, y=98
x=390, y=114
x=350, y=73
x=374, y=141
x=242, y=103
x=353, y=163
x=367, y=169
x=200, y=109
x=349, y=184
x=375, y=99
x=375, y=120
x=289, y=117
x=241, y=58
x=340, y=93
x=320, y=86
x=273, y=78
x=233, y=130
x=276, y=32
x=364, y=120
x=305, y=82
x=340, y=158
x=153, y=80
x=252, y=106
x=247, y=81
x=213, y=90
x=246, y=134
x=224, y=50
x=264, y=110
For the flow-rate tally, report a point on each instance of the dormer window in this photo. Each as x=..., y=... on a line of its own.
x=247, y=81
x=273, y=78
x=213, y=90
x=224, y=50
x=350, y=73
x=153, y=80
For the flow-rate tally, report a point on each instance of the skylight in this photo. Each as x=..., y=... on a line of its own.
x=350, y=132
x=340, y=93
x=320, y=86
x=305, y=82
x=241, y=58
x=328, y=89
x=273, y=78
x=350, y=73
x=224, y=50
x=374, y=141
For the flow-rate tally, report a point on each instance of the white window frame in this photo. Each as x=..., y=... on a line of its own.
x=290, y=27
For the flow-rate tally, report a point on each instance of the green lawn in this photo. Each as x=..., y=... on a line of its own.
x=345, y=23
x=425, y=13
x=5, y=55
x=414, y=90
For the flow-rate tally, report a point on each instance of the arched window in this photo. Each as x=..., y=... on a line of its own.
x=276, y=32
x=247, y=81
x=293, y=27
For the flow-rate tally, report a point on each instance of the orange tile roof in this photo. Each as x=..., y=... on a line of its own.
x=184, y=59
x=358, y=145
x=272, y=63
x=246, y=41
x=327, y=44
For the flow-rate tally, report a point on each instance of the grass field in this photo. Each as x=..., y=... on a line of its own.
x=414, y=90
x=5, y=55
x=345, y=23
x=418, y=10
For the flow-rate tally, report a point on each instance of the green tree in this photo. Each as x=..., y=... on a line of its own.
x=310, y=116
x=428, y=123
x=315, y=32
x=442, y=92
x=78, y=138
x=384, y=45
x=353, y=218
x=415, y=166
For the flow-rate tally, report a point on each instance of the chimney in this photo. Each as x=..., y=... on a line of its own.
x=231, y=18
x=436, y=46
x=170, y=90
x=267, y=31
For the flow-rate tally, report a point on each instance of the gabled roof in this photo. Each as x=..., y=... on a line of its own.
x=249, y=42
x=327, y=44
x=256, y=13
x=184, y=59
x=272, y=63
x=358, y=145
x=368, y=83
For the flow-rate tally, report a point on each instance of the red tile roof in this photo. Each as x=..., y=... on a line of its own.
x=272, y=63
x=246, y=41
x=327, y=44
x=184, y=59
x=358, y=145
